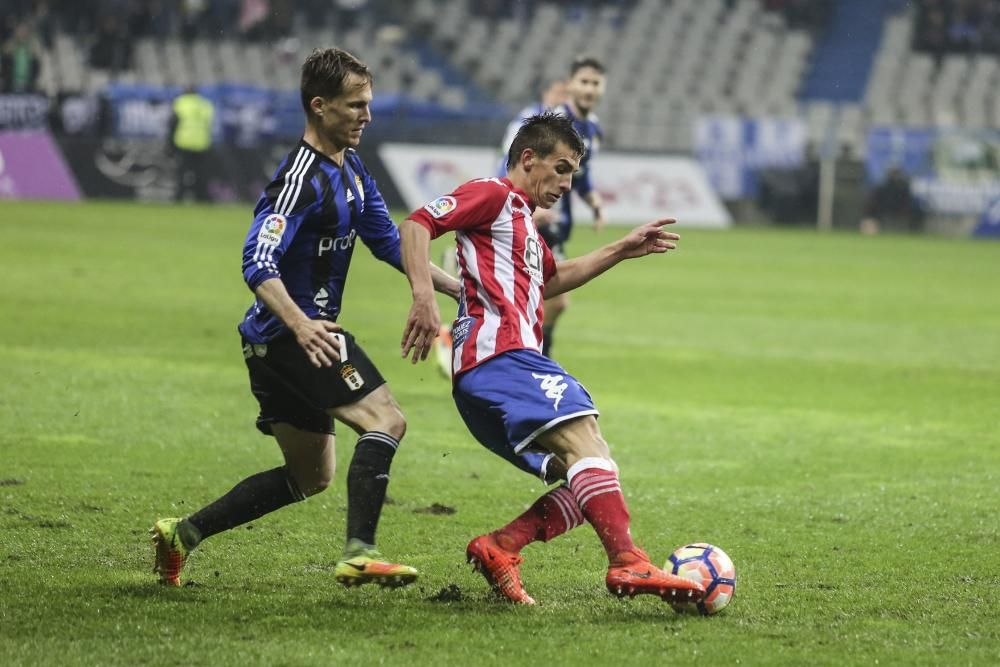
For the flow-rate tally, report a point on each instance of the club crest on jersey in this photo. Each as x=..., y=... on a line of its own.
x=441, y=206
x=533, y=258
x=273, y=229
x=349, y=197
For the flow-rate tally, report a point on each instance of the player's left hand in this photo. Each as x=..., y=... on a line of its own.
x=649, y=239
x=422, y=327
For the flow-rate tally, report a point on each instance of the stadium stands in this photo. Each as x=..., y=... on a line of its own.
x=668, y=61
x=936, y=62
x=911, y=86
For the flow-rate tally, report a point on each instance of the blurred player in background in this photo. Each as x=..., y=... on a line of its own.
x=553, y=95
x=305, y=369
x=518, y=403
x=584, y=90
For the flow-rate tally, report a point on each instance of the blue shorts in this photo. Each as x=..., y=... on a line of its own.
x=513, y=398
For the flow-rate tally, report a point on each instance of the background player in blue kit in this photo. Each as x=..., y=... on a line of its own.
x=305, y=370
x=553, y=95
x=584, y=90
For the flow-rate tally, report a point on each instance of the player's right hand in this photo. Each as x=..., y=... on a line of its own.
x=322, y=341
x=422, y=327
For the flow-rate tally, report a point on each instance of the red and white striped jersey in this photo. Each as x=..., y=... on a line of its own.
x=504, y=264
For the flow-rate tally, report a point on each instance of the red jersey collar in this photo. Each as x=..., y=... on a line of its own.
x=519, y=192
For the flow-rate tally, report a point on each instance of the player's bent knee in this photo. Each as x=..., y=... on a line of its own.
x=316, y=486
x=311, y=482
x=389, y=420
x=397, y=425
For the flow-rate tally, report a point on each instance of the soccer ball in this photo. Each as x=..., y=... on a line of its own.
x=709, y=566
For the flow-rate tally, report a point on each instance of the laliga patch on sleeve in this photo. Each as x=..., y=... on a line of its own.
x=272, y=229
x=441, y=206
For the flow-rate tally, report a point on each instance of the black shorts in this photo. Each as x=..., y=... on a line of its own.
x=290, y=389
x=552, y=233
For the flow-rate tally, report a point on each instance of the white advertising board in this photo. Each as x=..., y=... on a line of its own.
x=636, y=187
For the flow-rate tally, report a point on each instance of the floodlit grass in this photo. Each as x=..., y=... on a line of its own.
x=823, y=407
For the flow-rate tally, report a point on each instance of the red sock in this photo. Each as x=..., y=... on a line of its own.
x=552, y=515
x=594, y=483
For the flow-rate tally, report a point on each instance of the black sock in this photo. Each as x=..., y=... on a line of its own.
x=252, y=498
x=546, y=341
x=367, y=479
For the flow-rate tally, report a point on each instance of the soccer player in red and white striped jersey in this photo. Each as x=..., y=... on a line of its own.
x=518, y=403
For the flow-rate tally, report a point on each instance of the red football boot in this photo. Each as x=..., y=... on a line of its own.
x=632, y=574
x=499, y=567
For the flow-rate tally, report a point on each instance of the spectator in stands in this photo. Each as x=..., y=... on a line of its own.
x=812, y=15
x=112, y=46
x=153, y=18
x=20, y=61
x=348, y=14
x=950, y=26
x=191, y=137
x=790, y=196
x=253, y=14
x=892, y=206
x=44, y=24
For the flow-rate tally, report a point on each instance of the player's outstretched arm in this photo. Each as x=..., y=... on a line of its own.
x=424, y=320
x=648, y=239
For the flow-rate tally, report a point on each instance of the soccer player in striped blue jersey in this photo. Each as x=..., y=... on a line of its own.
x=583, y=90
x=553, y=96
x=305, y=369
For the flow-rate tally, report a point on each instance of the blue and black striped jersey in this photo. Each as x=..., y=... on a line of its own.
x=304, y=229
x=590, y=131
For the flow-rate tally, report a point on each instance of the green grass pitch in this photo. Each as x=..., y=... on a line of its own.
x=826, y=408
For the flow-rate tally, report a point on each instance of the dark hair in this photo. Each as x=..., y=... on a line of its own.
x=585, y=61
x=542, y=133
x=325, y=72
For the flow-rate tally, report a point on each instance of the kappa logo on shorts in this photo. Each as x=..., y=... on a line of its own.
x=553, y=386
x=441, y=206
x=273, y=229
